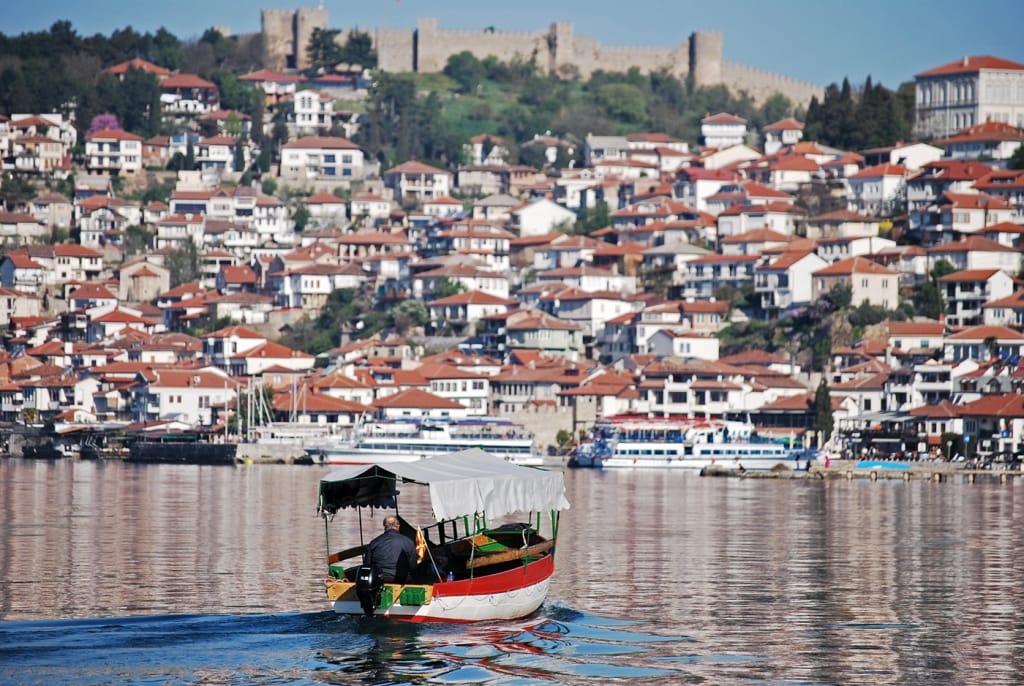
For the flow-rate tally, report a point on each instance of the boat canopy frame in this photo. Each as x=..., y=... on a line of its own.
x=464, y=483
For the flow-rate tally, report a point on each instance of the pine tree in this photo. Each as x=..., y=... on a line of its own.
x=823, y=419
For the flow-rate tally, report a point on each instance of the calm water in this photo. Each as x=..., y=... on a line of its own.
x=113, y=574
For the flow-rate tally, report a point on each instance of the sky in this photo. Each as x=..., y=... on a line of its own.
x=820, y=41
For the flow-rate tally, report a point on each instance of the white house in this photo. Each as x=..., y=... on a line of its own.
x=966, y=291
x=684, y=344
x=418, y=181
x=877, y=190
x=113, y=152
x=314, y=111
x=325, y=210
x=782, y=133
x=868, y=281
x=321, y=158
x=966, y=92
x=540, y=217
x=786, y=281
x=723, y=130
x=994, y=140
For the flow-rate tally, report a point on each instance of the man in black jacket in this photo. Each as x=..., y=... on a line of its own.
x=393, y=553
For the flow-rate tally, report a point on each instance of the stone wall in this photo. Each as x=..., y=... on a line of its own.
x=556, y=49
x=760, y=84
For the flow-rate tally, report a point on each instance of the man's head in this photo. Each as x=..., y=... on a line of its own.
x=391, y=523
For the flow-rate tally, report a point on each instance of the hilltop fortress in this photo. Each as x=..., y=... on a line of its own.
x=287, y=34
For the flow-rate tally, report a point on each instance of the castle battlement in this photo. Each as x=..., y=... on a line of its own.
x=286, y=35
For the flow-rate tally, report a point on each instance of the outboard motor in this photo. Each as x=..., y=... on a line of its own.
x=368, y=585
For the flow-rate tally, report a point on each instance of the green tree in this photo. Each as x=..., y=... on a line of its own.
x=533, y=155
x=466, y=70
x=1017, y=159
x=409, y=314
x=183, y=264
x=358, y=50
x=323, y=51
x=840, y=296
x=623, y=101
x=447, y=287
x=136, y=240
x=823, y=418
x=301, y=218
x=593, y=218
x=776, y=107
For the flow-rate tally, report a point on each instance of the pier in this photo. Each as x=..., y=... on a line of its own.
x=900, y=471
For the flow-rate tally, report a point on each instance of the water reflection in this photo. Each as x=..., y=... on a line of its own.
x=660, y=577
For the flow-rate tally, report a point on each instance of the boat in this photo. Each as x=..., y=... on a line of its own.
x=473, y=569
x=680, y=443
x=411, y=440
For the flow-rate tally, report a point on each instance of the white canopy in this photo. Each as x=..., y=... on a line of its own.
x=460, y=483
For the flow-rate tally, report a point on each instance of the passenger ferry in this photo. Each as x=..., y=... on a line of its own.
x=411, y=440
x=692, y=444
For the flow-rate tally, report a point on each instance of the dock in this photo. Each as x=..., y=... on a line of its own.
x=881, y=471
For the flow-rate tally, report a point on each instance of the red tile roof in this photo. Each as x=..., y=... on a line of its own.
x=972, y=64
x=139, y=64
x=786, y=124
x=418, y=399
x=187, y=81
x=414, y=167
x=853, y=265
x=723, y=118
x=881, y=170
x=321, y=142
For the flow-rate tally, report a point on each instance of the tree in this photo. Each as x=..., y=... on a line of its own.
x=533, y=155
x=183, y=263
x=775, y=108
x=323, y=51
x=823, y=419
x=301, y=218
x=358, y=50
x=136, y=240
x=466, y=70
x=103, y=122
x=447, y=287
x=841, y=296
x=592, y=219
x=624, y=101
x=409, y=314
x=1017, y=159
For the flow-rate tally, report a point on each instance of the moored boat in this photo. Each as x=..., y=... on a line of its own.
x=408, y=441
x=680, y=443
x=471, y=570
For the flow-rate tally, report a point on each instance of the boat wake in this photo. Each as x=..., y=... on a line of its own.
x=555, y=645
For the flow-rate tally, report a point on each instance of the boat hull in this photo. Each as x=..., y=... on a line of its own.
x=510, y=594
x=345, y=456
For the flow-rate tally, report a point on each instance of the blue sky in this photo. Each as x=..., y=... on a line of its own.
x=815, y=40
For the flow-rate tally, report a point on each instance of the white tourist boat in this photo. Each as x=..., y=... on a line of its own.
x=690, y=444
x=408, y=441
x=471, y=568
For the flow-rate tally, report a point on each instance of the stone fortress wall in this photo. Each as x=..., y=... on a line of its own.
x=286, y=36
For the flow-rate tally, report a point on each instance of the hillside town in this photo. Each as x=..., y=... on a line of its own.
x=866, y=300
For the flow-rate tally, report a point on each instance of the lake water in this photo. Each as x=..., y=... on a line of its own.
x=113, y=574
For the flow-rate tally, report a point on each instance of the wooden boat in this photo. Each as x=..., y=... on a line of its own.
x=471, y=570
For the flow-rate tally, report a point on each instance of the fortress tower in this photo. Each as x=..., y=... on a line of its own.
x=287, y=34
x=706, y=58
